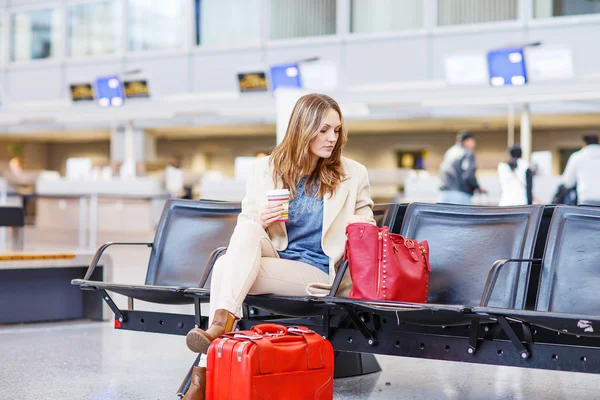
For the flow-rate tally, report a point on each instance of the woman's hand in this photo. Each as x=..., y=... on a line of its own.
x=269, y=214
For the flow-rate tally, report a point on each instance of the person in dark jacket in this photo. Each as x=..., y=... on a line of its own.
x=457, y=171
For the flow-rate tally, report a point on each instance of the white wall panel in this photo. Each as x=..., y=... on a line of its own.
x=387, y=60
x=581, y=38
x=165, y=75
x=3, y=90
x=82, y=73
x=217, y=71
x=32, y=84
x=293, y=53
x=17, y=3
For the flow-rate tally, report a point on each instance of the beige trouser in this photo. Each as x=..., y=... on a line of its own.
x=252, y=266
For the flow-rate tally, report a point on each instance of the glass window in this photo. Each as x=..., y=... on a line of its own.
x=559, y=8
x=156, y=24
x=243, y=22
x=301, y=18
x=35, y=34
x=94, y=28
x=459, y=12
x=386, y=15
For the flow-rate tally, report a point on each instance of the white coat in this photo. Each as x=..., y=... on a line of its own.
x=513, y=184
x=352, y=197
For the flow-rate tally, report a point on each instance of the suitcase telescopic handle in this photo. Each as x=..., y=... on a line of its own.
x=264, y=329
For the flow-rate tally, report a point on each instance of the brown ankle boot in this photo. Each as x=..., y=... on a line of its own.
x=198, y=340
x=197, y=390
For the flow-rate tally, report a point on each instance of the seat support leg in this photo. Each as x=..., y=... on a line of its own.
x=130, y=303
x=326, y=323
x=197, y=312
x=118, y=314
x=513, y=337
x=362, y=327
x=473, y=337
x=354, y=364
x=345, y=322
x=527, y=333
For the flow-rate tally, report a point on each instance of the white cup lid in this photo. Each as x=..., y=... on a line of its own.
x=278, y=192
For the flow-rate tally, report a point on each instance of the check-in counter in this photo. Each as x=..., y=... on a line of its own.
x=36, y=286
x=8, y=195
x=427, y=189
x=87, y=207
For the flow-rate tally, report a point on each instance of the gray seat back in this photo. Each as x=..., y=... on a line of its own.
x=188, y=232
x=464, y=242
x=385, y=214
x=570, y=278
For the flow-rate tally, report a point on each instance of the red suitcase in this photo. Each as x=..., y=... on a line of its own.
x=270, y=362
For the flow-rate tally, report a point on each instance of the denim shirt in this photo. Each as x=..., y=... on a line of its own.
x=304, y=229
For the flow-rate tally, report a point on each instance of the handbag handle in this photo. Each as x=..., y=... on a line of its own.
x=263, y=329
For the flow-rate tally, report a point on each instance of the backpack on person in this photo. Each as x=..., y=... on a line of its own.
x=565, y=196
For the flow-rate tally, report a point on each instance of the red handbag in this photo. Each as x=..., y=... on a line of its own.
x=270, y=362
x=386, y=266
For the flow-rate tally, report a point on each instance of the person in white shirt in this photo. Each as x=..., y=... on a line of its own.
x=513, y=179
x=582, y=171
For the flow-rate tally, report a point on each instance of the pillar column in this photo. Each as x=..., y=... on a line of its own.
x=285, y=99
x=130, y=145
x=511, y=125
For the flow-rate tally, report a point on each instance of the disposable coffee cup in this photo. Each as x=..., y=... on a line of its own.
x=280, y=196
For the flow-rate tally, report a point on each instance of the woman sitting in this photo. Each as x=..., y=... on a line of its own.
x=327, y=192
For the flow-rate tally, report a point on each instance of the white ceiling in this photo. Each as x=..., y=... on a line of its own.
x=394, y=107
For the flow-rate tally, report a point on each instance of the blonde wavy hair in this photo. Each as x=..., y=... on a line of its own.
x=291, y=159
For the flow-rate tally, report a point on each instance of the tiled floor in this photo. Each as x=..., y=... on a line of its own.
x=86, y=360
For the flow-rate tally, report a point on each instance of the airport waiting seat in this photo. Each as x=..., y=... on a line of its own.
x=384, y=214
x=567, y=298
x=189, y=236
x=464, y=242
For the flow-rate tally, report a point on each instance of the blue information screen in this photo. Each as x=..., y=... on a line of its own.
x=285, y=75
x=109, y=91
x=507, y=67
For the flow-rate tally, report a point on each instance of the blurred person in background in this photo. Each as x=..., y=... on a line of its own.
x=457, y=171
x=515, y=179
x=582, y=171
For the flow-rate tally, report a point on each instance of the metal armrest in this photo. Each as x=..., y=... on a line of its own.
x=214, y=256
x=338, y=278
x=495, y=272
x=105, y=246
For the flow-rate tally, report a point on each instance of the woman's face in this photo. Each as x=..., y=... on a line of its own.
x=329, y=131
